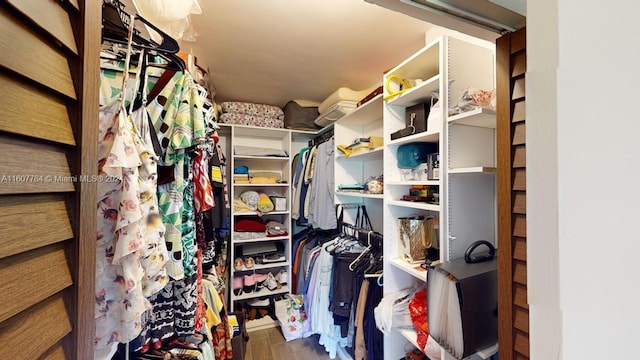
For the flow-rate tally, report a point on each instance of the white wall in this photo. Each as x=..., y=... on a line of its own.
x=545, y=325
x=584, y=202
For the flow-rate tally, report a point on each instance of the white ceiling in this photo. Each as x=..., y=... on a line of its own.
x=278, y=50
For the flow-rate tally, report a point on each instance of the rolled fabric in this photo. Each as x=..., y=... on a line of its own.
x=265, y=204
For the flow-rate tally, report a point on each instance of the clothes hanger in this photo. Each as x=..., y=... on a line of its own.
x=115, y=27
x=353, y=264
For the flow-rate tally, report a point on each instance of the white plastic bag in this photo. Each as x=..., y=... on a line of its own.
x=471, y=99
x=434, y=119
x=393, y=311
x=292, y=317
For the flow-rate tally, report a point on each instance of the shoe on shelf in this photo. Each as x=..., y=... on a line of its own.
x=260, y=279
x=238, y=264
x=249, y=283
x=249, y=262
x=271, y=282
x=237, y=285
x=282, y=277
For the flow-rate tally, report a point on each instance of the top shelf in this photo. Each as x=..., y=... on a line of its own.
x=421, y=65
x=479, y=117
x=364, y=155
x=365, y=114
x=268, y=158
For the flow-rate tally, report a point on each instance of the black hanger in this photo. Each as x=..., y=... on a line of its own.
x=115, y=28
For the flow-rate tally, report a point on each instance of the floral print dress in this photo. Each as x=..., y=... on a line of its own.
x=119, y=296
x=130, y=252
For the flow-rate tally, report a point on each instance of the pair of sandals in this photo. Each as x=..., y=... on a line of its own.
x=239, y=263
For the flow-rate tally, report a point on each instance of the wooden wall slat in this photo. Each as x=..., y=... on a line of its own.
x=519, y=64
x=519, y=226
x=521, y=343
x=84, y=266
x=518, y=89
x=519, y=156
x=519, y=134
x=38, y=163
x=56, y=353
x=518, y=40
x=519, y=202
x=45, y=269
x=520, y=272
x=519, y=180
x=51, y=17
x=34, y=58
x=23, y=334
x=30, y=222
x=504, y=193
x=521, y=319
x=520, y=296
x=31, y=112
x=520, y=248
x=519, y=111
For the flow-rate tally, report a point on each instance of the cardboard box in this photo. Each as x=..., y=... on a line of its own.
x=375, y=142
x=239, y=342
x=279, y=203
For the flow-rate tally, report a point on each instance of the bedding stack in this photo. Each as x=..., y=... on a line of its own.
x=340, y=103
x=243, y=113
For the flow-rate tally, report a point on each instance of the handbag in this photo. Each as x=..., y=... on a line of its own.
x=416, y=235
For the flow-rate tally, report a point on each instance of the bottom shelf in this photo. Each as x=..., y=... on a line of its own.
x=261, y=324
x=411, y=336
x=488, y=352
x=411, y=269
x=261, y=293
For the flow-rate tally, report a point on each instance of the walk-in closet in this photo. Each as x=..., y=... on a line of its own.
x=209, y=180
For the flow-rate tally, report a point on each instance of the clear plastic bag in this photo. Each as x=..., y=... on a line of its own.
x=471, y=99
x=393, y=311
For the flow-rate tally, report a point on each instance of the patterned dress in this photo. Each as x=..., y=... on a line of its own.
x=119, y=296
x=176, y=114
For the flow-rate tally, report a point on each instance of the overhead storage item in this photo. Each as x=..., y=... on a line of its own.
x=299, y=117
x=344, y=94
x=335, y=112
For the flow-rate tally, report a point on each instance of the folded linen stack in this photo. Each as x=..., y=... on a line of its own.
x=243, y=113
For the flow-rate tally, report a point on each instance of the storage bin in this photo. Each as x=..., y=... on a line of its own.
x=416, y=116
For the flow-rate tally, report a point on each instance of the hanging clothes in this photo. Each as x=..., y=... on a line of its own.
x=321, y=212
x=176, y=114
x=130, y=255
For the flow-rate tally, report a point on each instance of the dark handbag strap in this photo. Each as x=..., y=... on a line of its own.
x=365, y=222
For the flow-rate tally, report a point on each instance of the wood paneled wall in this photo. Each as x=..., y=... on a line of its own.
x=513, y=331
x=49, y=67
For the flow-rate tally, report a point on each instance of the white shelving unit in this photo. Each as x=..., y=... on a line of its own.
x=466, y=144
x=363, y=122
x=279, y=139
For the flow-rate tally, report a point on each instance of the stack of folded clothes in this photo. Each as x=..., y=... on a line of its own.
x=241, y=175
x=261, y=115
x=249, y=227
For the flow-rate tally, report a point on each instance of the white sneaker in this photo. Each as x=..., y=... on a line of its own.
x=271, y=282
x=282, y=277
